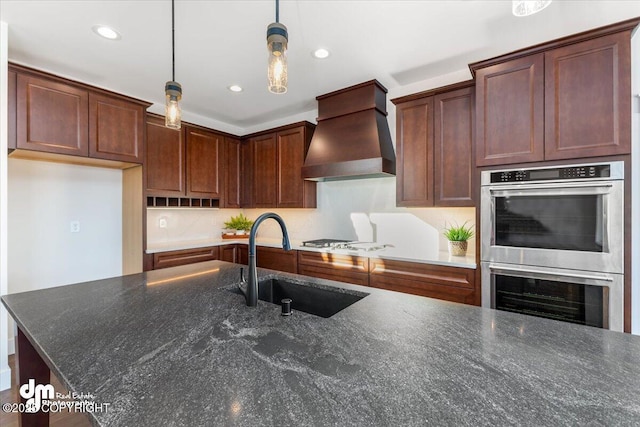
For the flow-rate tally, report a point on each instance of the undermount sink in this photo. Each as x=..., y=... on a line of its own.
x=323, y=302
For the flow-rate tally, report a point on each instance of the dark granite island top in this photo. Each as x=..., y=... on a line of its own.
x=174, y=347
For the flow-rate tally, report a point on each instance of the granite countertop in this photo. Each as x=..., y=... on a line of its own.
x=419, y=255
x=175, y=347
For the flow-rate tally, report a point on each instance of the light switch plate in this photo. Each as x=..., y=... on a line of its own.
x=75, y=226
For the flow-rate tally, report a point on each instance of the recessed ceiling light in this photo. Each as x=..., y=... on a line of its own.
x=106, y=32
x=320, y=53
x=235, y=88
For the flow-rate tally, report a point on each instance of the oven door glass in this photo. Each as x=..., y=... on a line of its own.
x=568, y=222
x=553, y=299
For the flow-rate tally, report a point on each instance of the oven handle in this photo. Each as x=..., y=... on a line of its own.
x=546, y=189
x=497, y=268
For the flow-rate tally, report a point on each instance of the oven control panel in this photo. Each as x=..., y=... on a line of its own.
x=560, y=173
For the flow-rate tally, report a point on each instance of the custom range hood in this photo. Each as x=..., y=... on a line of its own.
x=352, y=138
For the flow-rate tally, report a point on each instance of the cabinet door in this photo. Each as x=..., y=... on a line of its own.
x=290, y=161
x=229, y=253
x=277, y=259
x=414, y=146
x=510, y=112
x=52, y=116
x=242, y=254
x=204, y=151
x=453, y=148
x=116, y=129
x=11, y=110
x=232, y=173
x=165, y=159
x=587, y=102
x=265, y=171
x=246, y=175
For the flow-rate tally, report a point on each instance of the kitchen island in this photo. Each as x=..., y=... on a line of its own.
x=177, y=347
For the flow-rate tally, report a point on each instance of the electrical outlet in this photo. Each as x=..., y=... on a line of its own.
x=162, y=222
x=75, y=226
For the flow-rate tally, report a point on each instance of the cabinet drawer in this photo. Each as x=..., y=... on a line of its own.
x=342, y=268
x=447, y=283
x=187, y=256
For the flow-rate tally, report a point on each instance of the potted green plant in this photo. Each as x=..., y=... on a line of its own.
x=241, y=224
x=457, y=236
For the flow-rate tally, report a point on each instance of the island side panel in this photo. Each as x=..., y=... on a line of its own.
x=31, y=366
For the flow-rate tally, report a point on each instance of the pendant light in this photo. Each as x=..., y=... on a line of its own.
x=173, y=89
x=277, y=39
x=528, y=7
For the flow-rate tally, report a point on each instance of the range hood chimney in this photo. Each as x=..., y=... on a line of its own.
x=352, y=138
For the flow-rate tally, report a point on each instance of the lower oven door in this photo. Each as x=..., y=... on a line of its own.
x=582, y=297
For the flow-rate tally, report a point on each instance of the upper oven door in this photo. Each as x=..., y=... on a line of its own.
x=575, y=225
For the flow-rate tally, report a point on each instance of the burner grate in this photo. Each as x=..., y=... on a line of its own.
x=323, y=243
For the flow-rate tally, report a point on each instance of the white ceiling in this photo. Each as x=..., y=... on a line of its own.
x=407, y=45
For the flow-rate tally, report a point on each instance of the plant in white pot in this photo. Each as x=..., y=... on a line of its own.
x=458, y=236
x=241, y=224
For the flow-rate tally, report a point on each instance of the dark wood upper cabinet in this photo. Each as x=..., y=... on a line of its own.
x=275, y=160
x=434, y=145
x=12, y=109
x=510, y=112
x=116, y=129
x=52, y=116
x=587, y=102
x=565, y=99
x=232, y=173
x=246, y=178
x=453, y=148
x=265, y=171
x=204, y=171
x=414, y=148
x=293, y=191
x=55, y=115
x=165, y=160
x=291, y=152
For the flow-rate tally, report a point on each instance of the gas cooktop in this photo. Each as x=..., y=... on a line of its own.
x=344, y=244
x=324, y=243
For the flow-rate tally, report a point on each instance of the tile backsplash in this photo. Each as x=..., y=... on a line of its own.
x=361, y=210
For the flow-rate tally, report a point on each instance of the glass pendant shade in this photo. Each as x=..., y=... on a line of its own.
x=277, y=39
x=172, y=112
x=528, y=7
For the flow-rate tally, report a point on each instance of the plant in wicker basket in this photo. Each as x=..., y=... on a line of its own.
x=458, y=236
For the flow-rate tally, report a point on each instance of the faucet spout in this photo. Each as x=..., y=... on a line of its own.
x=252, y=286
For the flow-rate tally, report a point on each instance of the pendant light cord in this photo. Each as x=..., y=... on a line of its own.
x=277, y=11
x=173, y=42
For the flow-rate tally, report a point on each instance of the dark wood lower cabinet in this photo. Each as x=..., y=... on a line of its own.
x=277, y=259
x=342, y=268
x=183, y=257
x=235, y=253
x=435, y=281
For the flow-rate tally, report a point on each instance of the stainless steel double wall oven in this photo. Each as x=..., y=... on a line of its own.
x=553, y=242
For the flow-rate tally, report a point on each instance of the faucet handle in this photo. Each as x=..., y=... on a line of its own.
x=243, y=283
